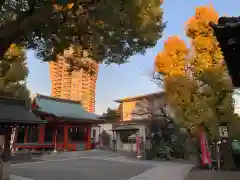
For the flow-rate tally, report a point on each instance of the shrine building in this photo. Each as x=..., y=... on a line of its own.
x=67, y=126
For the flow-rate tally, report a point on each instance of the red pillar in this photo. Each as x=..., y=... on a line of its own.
x=65, y=139
x=41, y=132
x=88, y=134
x=26, y=134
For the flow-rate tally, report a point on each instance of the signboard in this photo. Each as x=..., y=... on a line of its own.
x=223, y=131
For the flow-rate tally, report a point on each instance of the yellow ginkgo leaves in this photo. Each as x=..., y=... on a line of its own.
x=70, y=5
x=172, y=60
x=63, y=7
x=208, y=53
x=13, y=45
x=199, y=23
x=195, y=79
x=100, y=24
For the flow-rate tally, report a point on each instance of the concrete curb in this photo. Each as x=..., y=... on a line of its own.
x=13, y=177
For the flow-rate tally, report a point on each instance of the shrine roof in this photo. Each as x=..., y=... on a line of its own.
x=14, y=111
x=63, y=108
x=125, y=127
x=135, y=98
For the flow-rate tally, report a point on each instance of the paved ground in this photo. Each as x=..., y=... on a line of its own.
x=98, y=165
x=213, y=175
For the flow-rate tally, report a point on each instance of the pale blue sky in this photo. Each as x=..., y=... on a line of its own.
x=132, y=79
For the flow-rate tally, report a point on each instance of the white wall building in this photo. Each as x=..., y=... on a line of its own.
x=98, y=130
x=136, y=115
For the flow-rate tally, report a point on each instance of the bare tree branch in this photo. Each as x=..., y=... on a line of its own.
x=156, y=78
x=146, y=107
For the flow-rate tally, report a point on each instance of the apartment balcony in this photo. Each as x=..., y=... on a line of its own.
x=67, y=74
x=58, y=92
x=57, y=77
x=66, y=88
x=66, y=83
x=67, y=80
x=85, y=84
x=67, y=77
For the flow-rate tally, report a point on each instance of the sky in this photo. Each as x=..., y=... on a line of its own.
x=132, y=79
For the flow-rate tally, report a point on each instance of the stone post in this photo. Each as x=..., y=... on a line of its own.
x=5, y=166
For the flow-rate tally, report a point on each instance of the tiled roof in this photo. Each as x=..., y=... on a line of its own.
x=13, y=111
x=127, y=99
x=63, y=108
x=125, y=127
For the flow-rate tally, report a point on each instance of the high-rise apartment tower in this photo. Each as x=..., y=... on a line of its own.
x=78, y=85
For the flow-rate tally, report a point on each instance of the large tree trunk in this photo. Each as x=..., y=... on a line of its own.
x=5, y=168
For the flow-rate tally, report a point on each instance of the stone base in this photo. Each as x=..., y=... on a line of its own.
x=13, y=177
x=5, y=171
x=21, y=156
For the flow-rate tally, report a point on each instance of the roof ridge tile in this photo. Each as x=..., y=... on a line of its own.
x=58, y=99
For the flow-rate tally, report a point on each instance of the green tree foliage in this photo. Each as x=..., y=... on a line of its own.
x=13, y=72
x=109, y=30
x=111, y=115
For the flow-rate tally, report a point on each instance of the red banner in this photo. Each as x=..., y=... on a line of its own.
x=137, y=144
x=206, y=158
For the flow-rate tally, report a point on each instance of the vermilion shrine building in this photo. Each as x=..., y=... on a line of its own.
x=67, y=126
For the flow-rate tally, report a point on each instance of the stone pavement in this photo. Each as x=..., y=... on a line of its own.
x=213, y=175
x=99, y=165
x=161, y=171
x=164, y=173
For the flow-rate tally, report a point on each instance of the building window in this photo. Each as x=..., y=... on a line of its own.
x=76, y=134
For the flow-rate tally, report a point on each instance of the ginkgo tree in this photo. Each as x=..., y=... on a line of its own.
x=172, y=63
x=14, y=71
x=195, y=79
x=209, y=70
